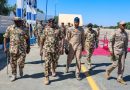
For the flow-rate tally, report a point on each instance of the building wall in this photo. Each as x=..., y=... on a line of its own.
x=69, y=18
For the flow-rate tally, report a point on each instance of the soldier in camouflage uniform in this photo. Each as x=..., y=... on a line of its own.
x=90, y=42
x=98, y=34
x=75, y=38
x=62, y=42
x=39, y=31
x=59, y=34
x=18, y=46
x=118, y=45
x=49, y=41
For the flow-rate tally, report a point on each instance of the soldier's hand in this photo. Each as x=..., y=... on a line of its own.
x=5, y=50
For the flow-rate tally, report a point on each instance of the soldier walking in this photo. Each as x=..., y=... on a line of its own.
x=49, y=43
x=118, y=45
x=90, y=43
x=75, y=38
x=39, y=29
x=18, y=46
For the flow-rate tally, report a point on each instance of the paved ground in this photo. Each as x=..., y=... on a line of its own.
x=33, y=78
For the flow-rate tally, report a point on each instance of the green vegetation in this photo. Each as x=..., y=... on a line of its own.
x=4, y=8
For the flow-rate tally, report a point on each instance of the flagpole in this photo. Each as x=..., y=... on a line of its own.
x=46, y=10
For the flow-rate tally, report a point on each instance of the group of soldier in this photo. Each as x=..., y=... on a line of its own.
x=54, y=41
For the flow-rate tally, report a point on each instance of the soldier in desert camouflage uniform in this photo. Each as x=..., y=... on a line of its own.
x=49, y=40
x=18, y=46
x=62, y=42
x=91, y=39
x=59, y=35
x=39, y=29
x=118, y=45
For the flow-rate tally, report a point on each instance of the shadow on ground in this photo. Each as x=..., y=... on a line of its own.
x=35, y=62
x=3, y=61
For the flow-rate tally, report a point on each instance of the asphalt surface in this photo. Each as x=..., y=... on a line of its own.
x=33, y=75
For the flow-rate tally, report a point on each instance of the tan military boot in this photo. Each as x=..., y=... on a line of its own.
x=46, y=80
x=107, y=75
x=66, y=69
x=77, y=76
x=89, y=66
x=13, y=78
x=53, y=74
x=121, y=81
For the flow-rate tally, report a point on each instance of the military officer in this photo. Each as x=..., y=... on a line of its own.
x=118, y=44
x=18, y=46
x=75, y=38
x=90, y=43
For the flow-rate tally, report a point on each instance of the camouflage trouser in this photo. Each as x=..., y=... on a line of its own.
x=118, y=60
x=89, y=55
x=38, y=40
x=13, y=61
x=57, y=55
x=49, y=58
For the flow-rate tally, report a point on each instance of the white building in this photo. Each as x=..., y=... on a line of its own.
x=69, y=18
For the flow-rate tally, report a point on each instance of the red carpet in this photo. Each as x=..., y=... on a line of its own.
x=99, y=51
x=104, y=51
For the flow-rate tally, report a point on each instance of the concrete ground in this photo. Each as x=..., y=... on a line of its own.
x=93, y=80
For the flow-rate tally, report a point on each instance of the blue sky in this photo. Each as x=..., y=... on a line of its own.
x=101, y=12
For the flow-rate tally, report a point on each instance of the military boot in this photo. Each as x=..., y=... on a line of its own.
x=67, y=69
x=107, y=75
x=77, y=75
x=89, y=66
x=53, y=73
x=46, y=80
x=121, y=81
x=13, y=78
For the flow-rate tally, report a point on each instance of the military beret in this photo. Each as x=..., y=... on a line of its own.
x=76, y=19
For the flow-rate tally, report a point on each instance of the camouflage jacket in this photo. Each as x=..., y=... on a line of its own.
x=51, y=38
x=63, y=30
x=91, y=38
x=39, y=29
x=17, y=38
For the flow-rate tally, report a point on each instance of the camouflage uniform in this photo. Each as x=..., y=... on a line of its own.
x=62, y=41
x=58, y=36
x=50, y=48
x=75, y=38
x=39, y=32
x=17, y=47
x=90, y=42
x=118, y=44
